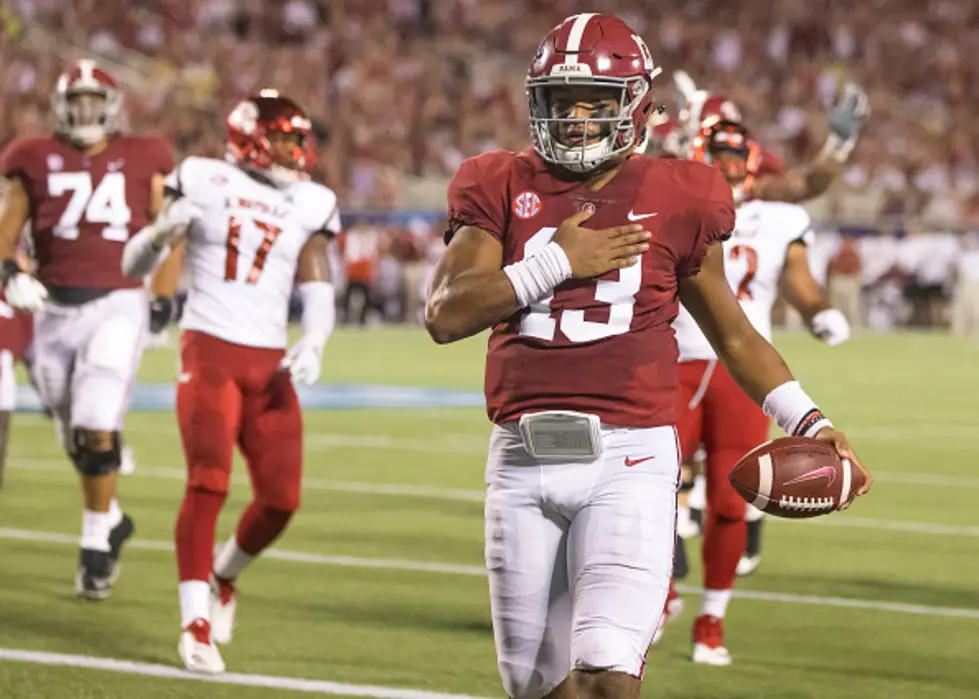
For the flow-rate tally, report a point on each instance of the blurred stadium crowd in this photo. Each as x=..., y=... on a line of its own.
x=402, y=91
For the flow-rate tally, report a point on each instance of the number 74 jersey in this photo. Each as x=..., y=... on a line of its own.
x=243, y=251
x=754, y=257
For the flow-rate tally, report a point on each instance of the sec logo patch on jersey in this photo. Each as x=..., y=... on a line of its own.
x=526, y=205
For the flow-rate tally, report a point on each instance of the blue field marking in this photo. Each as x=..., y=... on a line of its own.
x=160, y=397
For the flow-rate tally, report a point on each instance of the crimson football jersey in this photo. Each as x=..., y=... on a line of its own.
x=85, y=208
x=16, y=329
x=603, y=346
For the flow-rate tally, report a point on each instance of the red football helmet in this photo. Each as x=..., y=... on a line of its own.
x=83, y=121
x=703, y=109
x=255, y=127
x=730, y=147
x=663, y=137
x=599, y=52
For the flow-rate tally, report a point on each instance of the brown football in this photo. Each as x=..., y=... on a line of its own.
x=795, y=477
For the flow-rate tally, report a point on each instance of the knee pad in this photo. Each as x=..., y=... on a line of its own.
x=95, y=463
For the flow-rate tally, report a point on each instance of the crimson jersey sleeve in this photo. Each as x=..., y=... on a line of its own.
x=477, y=196
x=714, y=205
x=160, y=156
x=15, y=161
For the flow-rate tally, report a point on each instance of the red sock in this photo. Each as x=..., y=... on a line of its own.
x=724, y=542
x=195, y=533
x=259, y=527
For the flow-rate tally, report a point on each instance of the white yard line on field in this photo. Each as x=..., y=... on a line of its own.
x=439, y=493
x=291, y=683
x=476, y=571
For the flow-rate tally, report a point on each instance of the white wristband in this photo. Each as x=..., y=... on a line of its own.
x=536, y=276
x=794, y=411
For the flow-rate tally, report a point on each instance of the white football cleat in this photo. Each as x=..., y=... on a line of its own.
x=127, y=465
x=224, y=602
x=747, y=564
x=708, y=642
x=197, y=650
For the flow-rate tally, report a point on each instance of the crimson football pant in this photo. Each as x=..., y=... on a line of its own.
x=231, y=395
x=715, y=412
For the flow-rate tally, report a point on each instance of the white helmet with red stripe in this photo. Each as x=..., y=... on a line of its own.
x=86, y=104
x=604, y=60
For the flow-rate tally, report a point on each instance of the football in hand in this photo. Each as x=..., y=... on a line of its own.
x=796, y=477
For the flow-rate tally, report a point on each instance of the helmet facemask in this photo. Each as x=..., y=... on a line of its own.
x=580, y=123
x=87, y=116
x=287, y=151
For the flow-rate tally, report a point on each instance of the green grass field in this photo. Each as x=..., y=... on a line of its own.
x=879, y=602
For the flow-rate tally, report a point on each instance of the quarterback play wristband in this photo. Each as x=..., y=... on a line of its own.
x=794, y=411
x=319, y=311
x=536, y=276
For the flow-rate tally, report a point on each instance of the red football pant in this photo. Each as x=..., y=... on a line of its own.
x=229, y=394
x=714, y=411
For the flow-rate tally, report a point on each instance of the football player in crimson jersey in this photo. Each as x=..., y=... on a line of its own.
x=85, y=190
x=576, y=255
x=250, y=224
x=16, y=331
x=765, y=255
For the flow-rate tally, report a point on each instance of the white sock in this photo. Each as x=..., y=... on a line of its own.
x=698, y=494
x=195, y=599
x=95, y=530
x=115, y=514
x=231, y=560
x=715, y=602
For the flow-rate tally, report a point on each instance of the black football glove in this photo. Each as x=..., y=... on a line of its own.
x=161, y=311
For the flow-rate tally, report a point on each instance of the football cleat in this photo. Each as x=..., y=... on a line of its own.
x=197, y=650
x=748, y=564
x=708, y=641
x=95, y=575
x=751, y=558
x=224, y=601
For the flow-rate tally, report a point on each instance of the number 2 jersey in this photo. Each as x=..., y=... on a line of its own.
x=602, y=346
x=243, y=250
x=754, y=257
x=84, y=208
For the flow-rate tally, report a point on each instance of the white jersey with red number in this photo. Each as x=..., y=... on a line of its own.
x=754, y=256
x=243, y=251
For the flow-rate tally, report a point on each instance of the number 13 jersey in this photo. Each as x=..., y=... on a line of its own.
x=754, y=257
x=243, y=251
x=602, y=346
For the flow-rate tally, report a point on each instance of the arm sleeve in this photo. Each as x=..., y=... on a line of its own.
x=15, y=160
x=713, y=224
x=332, y=225
x=473, y=201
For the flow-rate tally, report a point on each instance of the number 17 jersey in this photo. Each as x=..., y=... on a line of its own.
x=754, y=257
x=243, y=251
x=602, y=346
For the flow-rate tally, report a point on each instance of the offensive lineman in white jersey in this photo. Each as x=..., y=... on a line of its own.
x=249, y=228
x=765, y=255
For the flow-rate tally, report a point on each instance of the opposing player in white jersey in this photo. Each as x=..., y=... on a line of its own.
x=249, y=228
x=765, y=255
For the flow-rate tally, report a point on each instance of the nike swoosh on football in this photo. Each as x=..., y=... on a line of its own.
x=633, y=216
x=632, y=462
x=827, y=472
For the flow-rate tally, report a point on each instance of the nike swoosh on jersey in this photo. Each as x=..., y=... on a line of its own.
x=633, y=216
x=629, y=462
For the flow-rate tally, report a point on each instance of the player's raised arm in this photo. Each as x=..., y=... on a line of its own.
x=811, y=180
x=146, y=249
x=804, y=294
x=752, y=361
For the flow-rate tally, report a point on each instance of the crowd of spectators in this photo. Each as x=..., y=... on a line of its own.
x=404, y=88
